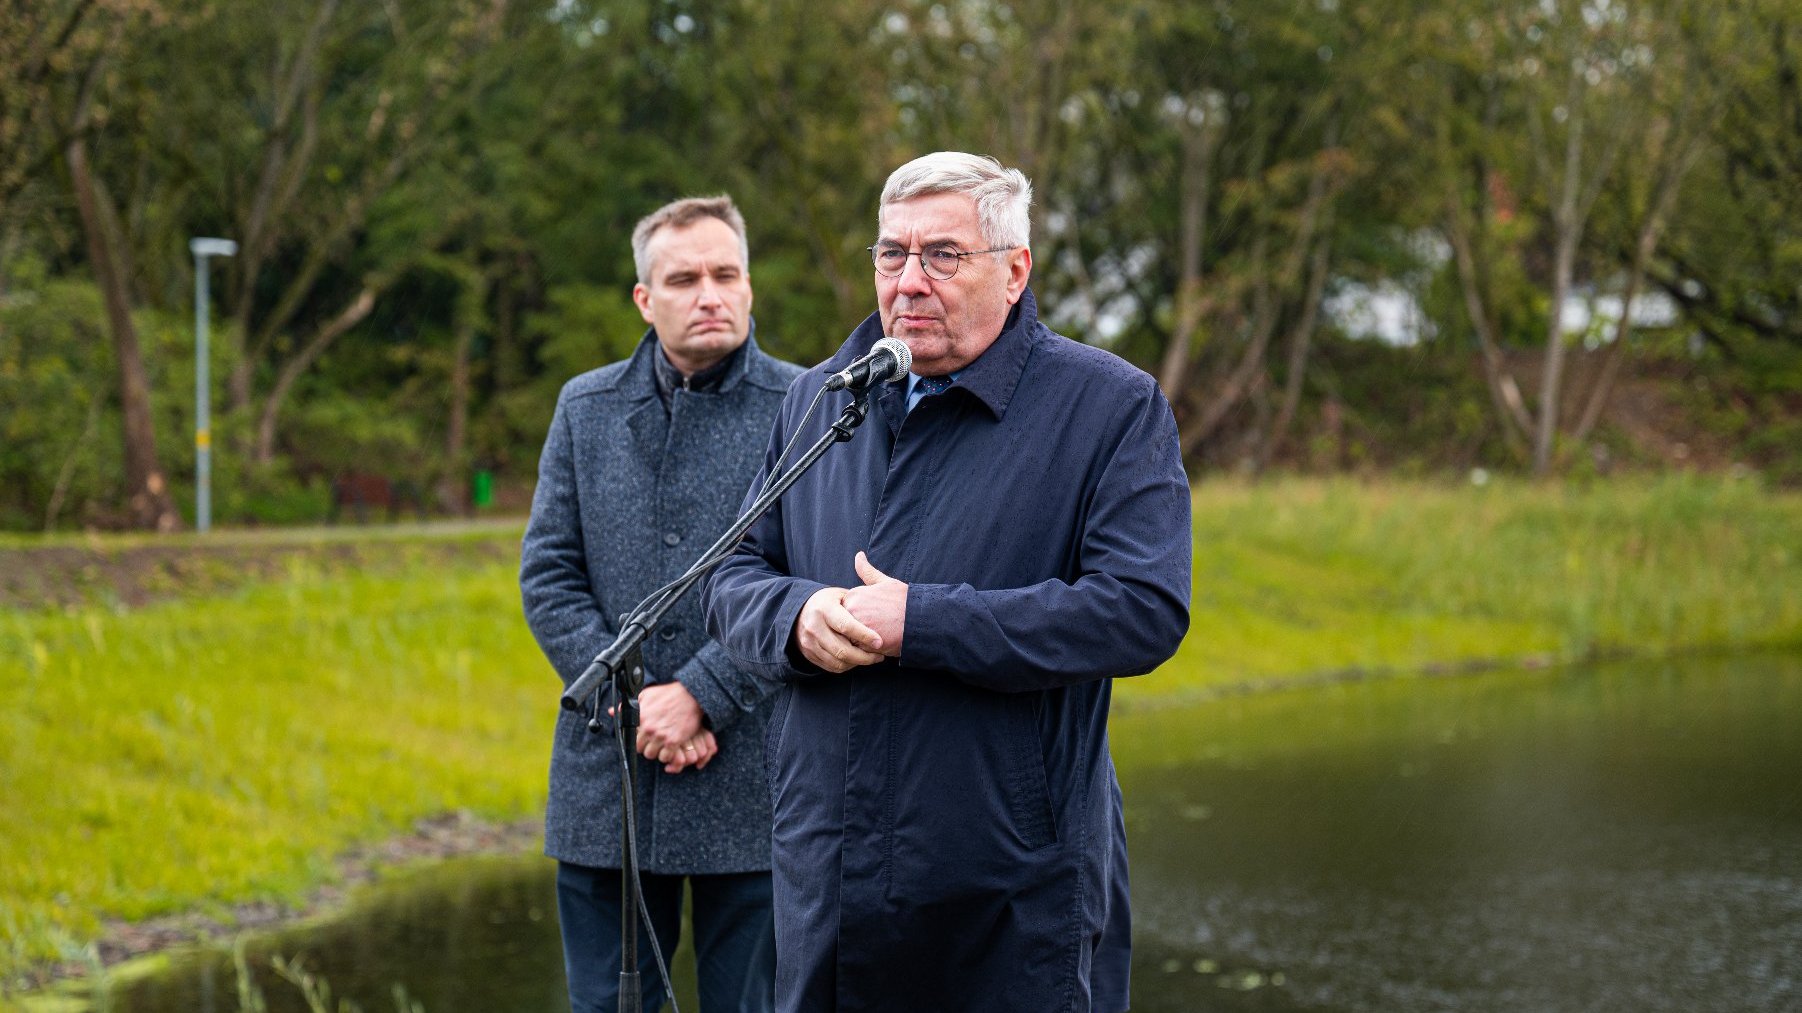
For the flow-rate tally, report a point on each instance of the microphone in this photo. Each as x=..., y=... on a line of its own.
x=888, y=361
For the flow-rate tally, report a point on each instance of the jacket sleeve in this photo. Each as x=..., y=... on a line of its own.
x=724, y=689
x=560, y=603
x=1127, y=609
x=751, y=601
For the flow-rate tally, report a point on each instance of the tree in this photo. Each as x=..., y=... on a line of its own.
x=147, y=489
x=45, y=48
x=1575, y=87
x=1223, y=157
x=1735, y=251
x=342, y=105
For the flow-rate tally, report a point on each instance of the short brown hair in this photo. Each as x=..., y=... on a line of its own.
x=681, y=214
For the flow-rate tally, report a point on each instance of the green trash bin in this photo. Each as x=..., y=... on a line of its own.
x=481, y=489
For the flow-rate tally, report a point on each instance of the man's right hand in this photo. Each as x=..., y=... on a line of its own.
x=832, y=638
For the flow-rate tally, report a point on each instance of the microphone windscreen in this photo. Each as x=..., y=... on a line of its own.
x=904, y=356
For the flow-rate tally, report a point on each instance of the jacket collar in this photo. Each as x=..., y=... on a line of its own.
x=639, y=378
x=992, y=378
x=670, y=379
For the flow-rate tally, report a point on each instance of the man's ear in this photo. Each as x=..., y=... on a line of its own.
x=1019, y=269
x=642, y=297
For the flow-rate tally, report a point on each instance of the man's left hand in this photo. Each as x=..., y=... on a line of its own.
x=880, y=604
x=668, y=719
x=693, y=753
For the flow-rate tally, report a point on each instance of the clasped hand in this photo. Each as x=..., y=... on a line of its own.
x=841, y=628
x=670, y=729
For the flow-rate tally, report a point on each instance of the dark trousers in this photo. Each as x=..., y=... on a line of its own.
x=735, y=938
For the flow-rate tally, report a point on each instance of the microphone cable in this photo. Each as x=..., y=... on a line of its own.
x=776, y=469
x=704, y=563
x=644, y=910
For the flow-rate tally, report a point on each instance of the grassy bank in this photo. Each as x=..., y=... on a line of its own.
x=225, y=737
x=1306, y=578
x=208, y=750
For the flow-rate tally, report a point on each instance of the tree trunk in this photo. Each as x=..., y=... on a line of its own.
x=1197, y=173
x=1682, y=157
x=1510, y=407
x=1551, y=377
x=1301, y=340
x=1268, y=296
x=147, y=491
x=285, y=162
x=1567, y=233
x=451, y=494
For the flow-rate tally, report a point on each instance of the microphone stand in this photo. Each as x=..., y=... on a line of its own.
x=617, y=675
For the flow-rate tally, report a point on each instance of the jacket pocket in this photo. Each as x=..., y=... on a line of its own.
x=772, y=739
x=572, y=727
x=1029, y=794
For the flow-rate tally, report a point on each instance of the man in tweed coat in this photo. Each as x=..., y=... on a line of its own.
x=645, y=464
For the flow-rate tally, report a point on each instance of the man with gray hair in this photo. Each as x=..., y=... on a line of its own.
x=946, y=600
x=644, y=465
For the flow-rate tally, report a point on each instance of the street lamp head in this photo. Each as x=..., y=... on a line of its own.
x=212, y=247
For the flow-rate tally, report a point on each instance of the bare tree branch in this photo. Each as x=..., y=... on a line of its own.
x=293, y=369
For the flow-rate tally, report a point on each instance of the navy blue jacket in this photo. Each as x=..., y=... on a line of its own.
x=628, y=495
x=948, y=829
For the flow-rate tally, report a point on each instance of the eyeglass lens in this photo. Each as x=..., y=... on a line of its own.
x=940, y=262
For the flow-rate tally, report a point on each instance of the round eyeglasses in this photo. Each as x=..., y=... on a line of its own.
x=939, y=260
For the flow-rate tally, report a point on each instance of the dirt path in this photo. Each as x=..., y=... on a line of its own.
x=132, y=571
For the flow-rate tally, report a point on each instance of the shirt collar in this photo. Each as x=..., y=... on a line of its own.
x=913, y=384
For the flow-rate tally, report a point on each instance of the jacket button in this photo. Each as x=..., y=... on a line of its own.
x=667, y=633
x=672, y=539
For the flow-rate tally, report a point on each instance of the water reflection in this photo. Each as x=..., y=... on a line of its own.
x=466, y=936
x=1620, y=838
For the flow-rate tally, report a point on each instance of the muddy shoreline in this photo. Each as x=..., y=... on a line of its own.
x=449, y=835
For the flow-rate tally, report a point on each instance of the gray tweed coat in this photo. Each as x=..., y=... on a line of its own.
x=628, y=496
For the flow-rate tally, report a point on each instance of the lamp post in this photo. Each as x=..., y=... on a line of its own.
x=203, y=391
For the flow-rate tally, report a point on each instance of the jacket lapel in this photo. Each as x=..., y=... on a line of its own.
x=649, y=425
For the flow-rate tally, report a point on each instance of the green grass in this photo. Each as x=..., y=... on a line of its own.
x=1301, y=578
x=204, y=752
x=226, y=746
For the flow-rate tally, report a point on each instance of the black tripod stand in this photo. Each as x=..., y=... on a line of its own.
x=613, y=681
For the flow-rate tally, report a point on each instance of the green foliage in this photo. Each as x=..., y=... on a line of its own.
x=52, y=359
x=1736, y=252
x=584, y=327
x=1754, y=401
x=274, y=495
x=61, y=459
x=476, y=169
x=1414, y=410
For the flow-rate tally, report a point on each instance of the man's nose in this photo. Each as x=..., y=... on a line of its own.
x=710, y=292
x=914, y=280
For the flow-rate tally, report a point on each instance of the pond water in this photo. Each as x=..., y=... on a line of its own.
x=1622, y=837
x=1625, y=837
